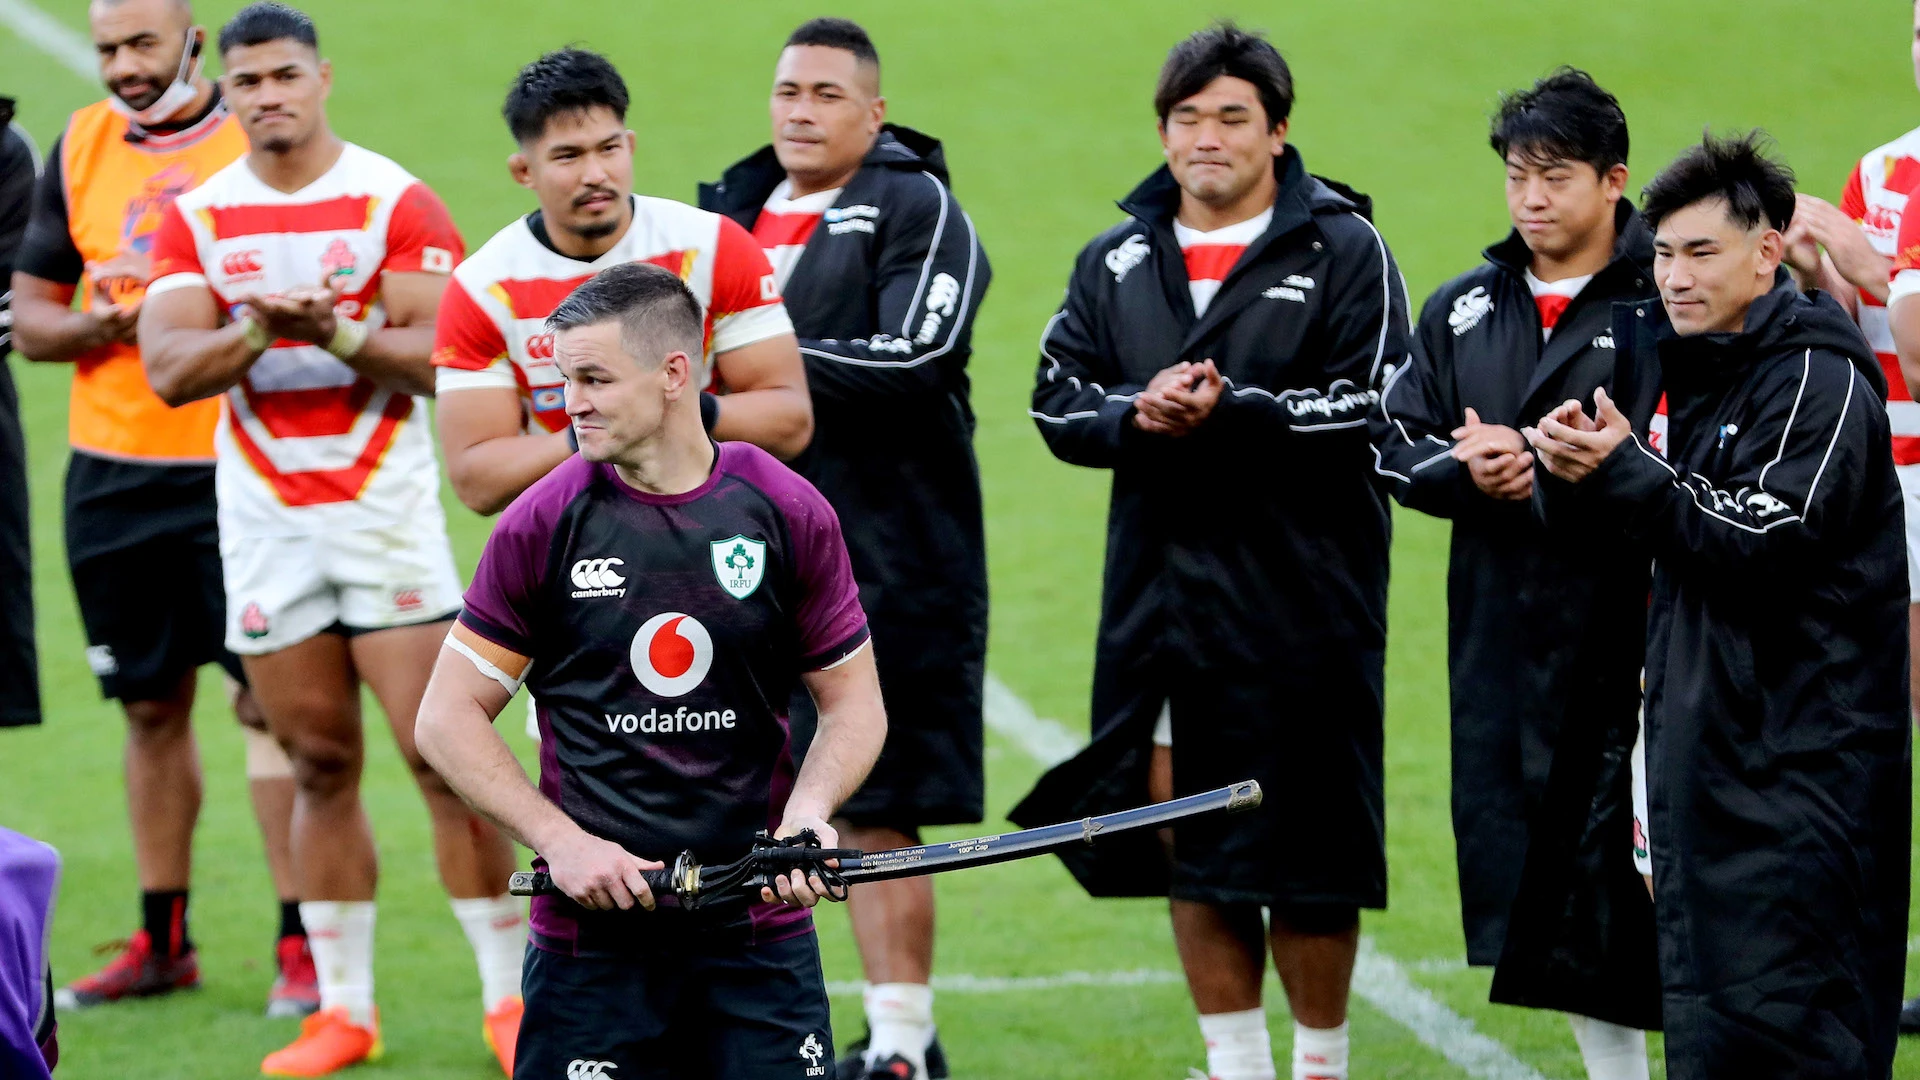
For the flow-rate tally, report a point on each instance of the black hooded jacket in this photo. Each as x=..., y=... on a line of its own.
x=1777, y=717
x=1545, y=638
x=883, y=300
x=1252, y=551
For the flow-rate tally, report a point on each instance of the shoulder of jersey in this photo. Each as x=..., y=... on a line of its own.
x=374, y=173
x=505, y=253
x=1874, y=161
x=548, y=496
x=766, y=473
x=669, y=225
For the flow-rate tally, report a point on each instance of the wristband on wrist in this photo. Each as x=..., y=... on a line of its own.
x=349, y=336
x=256, y=335
x=709, y=410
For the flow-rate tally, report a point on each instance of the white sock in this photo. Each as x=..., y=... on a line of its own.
x=341, y=935
x=1238, y=1046
x=497, y=929
x=1611, y=1052
x=1319, y=1053
x=900, y=1015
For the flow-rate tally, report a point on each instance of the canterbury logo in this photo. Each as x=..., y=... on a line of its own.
x=597, y=577
x=241, y=263
x=1469, y=309
x=540, y=347
x=1127, y=256
x=581, y=1069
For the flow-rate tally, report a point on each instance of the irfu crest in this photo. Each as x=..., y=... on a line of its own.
x=739, y=563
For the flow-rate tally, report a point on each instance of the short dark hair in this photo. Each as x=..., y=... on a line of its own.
x=1563, y=117
x=1225, y=49
x=836, y=34
x=257, y=24
x=565, y=80
x=656, y=311
x=1739, y=169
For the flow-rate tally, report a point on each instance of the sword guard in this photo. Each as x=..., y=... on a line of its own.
x=1089, y=829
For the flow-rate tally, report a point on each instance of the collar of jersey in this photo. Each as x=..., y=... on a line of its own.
x=651, y=499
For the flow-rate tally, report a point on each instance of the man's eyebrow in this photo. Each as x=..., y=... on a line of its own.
x=110, y=46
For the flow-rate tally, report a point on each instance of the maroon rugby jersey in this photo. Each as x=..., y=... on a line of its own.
x=666, y=634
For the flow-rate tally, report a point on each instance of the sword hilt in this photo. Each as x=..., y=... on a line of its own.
x=675, y=886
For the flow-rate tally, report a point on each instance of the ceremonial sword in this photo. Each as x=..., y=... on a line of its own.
x=688, y=884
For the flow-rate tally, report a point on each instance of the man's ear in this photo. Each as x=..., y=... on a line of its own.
x=679, y=369
x=1279, y=137
x=326, y=79
x=1771, y=249
x=520, y=169
x=1615, y=182
x=877, y=116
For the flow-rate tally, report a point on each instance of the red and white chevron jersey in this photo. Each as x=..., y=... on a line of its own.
x=492, y=327
x=1876, y=197
x=306, y=445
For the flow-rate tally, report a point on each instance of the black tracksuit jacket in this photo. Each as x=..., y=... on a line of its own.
x=1545, y=639
x=883, y=300
x=1251, y=553
x=1777, y=719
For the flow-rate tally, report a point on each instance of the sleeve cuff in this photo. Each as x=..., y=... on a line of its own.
x=1904, y=284
x=176, y=281
x=448, y=379
x=743, y=328
x=839, y=654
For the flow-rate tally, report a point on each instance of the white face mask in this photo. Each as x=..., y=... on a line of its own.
x=176, y=96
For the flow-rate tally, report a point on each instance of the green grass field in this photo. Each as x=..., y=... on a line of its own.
x=1045, y=112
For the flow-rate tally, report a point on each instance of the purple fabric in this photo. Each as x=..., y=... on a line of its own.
x=832, y=623
x=29, y=873
x=498, y=603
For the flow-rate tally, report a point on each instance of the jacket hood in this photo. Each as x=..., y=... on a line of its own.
x=1784, y=320
x=1157, y=198
x=1632, y=243
x=747, y=183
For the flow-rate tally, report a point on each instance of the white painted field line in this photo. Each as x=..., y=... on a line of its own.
x=1377, y=978
x=51, y=36
x=991, y=984
x=1046, y=741
x=1384, y=984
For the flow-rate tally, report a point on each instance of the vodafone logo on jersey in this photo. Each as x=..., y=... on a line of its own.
x=672, y=653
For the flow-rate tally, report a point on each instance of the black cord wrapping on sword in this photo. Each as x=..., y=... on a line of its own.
x=689, y=885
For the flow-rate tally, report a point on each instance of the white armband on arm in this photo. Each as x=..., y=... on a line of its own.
x=486, y=667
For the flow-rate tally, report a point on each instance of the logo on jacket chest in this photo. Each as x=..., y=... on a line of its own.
x=1121, y=260
x=738, y=564
x=845, y=219
x=1469, y=309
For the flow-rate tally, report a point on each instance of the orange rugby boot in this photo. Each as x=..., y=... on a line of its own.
x=501, y=1030
x=329, y=1041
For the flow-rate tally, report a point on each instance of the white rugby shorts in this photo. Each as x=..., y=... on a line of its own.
x=282, y=590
